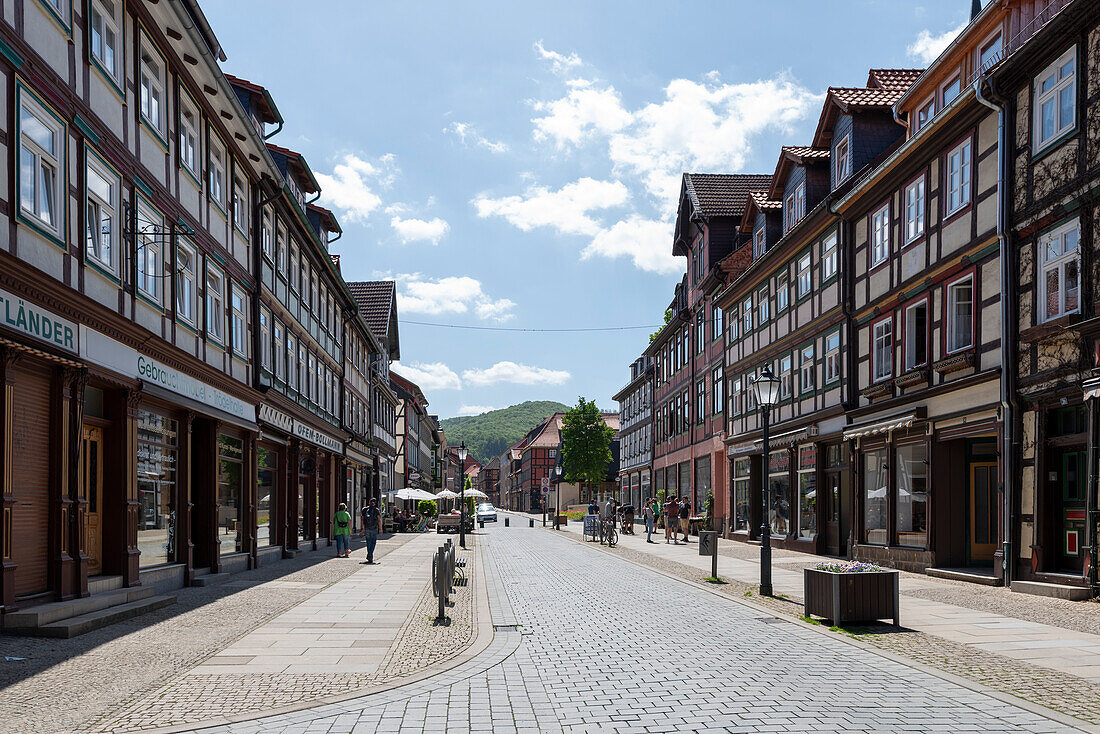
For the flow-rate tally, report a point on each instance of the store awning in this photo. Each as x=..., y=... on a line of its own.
x=786, y=439
x=157, y=391
x=39, y=353
x=1091, y=388
x=896, y=423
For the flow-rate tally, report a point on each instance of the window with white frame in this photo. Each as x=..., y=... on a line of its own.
x=216, y=167
x=759, y=241
x=882, y=355
x=190, y=143
x=807, y=369
x=280, y=249
x=104, y=191
x=150, y=251
x=832, y=357
x=785, y=370
x=304, y=379
x=215, y=303
x=735, y=396
x=732, y=328
x=926, y=112
x=782, y=294
x=990, y=53
x=951, y=90
x=266, y=237
x=843, y=167
x=880, y=236
x=104, y=22
x=265, y=338
x=805, y=275
x=762, y=302
x=718, y=394
x=960, y=314
x=187, y=276
x=914, y=210
x=240, y=204
x=152, y=81
x=41, y=164
x=958, y=177
x=828, y=257
x=280, y=349
x=916, y=335
x=746, y=316
x=1060, y=278
x=1055, y=100
x=291, y=361
x=716, y=326
x=292, y=270
x=795, y=208
x=239, y=322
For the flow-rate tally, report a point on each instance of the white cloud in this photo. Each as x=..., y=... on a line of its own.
x=560, y=63
x=704, y=126
x=468, y=135
x=585, y=110
x=453, y=294
x=429, y=375
x=474, y=409
x=419, y=230
x=566, y=209
x=648, y=243
x=927, y=47
x=519, y=374
x=350, y=187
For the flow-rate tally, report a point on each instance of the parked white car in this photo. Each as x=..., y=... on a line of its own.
x=486, y=512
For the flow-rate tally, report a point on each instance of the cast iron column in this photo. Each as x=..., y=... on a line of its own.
x=765, y=527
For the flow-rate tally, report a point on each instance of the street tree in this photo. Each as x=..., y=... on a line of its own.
x=586, y=444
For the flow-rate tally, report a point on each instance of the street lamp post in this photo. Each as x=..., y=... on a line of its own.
x=766, y=389
x=462, y=495
x=557, y=497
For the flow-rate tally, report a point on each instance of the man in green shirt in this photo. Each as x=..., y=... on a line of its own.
x=342, y=531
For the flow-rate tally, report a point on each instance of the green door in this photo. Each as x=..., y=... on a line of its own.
x=1071, y=514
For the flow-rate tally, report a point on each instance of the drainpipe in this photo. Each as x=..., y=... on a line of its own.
x=274, y=132
x=1009, y=403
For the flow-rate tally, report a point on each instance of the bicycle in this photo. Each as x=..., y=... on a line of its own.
x=608, y=532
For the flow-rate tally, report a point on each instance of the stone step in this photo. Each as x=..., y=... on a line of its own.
x=100, y=584
x=971, y=575
x=211, y=579
x=79, y=625
x=31, y=618
x=1056, y=591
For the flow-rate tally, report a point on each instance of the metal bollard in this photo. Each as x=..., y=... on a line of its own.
x=531, y=523
x=505, y=522
x=481, y=524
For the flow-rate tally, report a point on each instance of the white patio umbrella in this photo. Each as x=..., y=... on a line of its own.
x=476, y=493
x=445, y=495
x=412, y=493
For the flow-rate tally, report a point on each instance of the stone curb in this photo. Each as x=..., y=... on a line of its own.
x=971, y=685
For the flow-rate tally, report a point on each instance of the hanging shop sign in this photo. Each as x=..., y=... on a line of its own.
x=43, y=325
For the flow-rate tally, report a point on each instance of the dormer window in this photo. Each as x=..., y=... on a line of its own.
x=951, y=90
x=843, y=159
x=795, y=208
x=990, y=53
x=758, y=243
x=926, y=112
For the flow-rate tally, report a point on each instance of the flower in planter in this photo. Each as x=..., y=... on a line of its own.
x=847, y=567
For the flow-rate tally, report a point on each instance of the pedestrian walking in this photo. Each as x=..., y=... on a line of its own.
x=672, y=517
x=685, y=518
x=372, y=526
x=342, y=531
x=647, y=513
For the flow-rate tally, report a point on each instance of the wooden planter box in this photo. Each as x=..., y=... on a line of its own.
x=852, y=597
x=563, y=519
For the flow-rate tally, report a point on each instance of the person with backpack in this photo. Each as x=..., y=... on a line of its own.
x=372, y=526
x=342, y=531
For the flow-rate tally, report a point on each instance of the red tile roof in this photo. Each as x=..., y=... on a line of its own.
x=721, y=194
x=805, y=152
x=762, y=202
x=862, y=98
x=897, y=79
x=375, y=299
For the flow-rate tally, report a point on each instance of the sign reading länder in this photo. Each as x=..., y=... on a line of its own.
x=37, y=322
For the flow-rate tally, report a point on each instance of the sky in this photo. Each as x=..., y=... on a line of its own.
x=517, y=165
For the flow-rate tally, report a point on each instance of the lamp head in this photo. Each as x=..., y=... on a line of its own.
x=462, y=452
x=766, y=388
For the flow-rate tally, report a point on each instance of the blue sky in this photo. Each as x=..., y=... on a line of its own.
x=517, y=165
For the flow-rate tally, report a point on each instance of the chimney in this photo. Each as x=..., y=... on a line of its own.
x=975, y=9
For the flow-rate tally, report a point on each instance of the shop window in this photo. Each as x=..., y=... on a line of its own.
x=152, y=81
x=807, y=492
x=880, y=236
x=828, y=257
x=914, y=210
x=103, y=196
x=876, y=481
x=149, y=242
x=882, y=357
x=267, y=464
x=958, y=177
x=742, y=507
x=231, y=535
x=157, y=455
x=1055, y=100
x=779, y=490
x=832, y=357
x=911, y=502
x=1059, y=284
x=187, y=274
x=41, y=164
x=916, y=335
x=190, y=143
x=215, y=303
x=960, y=314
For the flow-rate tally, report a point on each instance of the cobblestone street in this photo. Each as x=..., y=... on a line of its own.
x=587, y=641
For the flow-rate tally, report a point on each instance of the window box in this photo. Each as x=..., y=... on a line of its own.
x=912, y=377
x=878, y=390
x=954, y=363
x=865, y=596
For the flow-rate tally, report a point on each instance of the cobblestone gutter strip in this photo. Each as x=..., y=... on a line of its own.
x=1047, y=688
x=194, y=699
x=61, y=684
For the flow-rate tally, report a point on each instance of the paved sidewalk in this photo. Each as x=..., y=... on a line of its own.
x=1068, y=651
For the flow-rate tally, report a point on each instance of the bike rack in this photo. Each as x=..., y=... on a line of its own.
x=444, y=567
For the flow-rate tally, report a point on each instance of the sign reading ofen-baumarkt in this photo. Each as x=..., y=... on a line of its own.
x=105, y=351
x=36, y=322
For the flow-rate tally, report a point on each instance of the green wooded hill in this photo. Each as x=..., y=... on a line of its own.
x=489, y=434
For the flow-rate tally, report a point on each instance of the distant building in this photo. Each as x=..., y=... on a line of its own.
x=636, y=433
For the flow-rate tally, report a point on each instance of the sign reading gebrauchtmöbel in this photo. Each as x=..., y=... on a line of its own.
x=26, y=318
x=105, y=351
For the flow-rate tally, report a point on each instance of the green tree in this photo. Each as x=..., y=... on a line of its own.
x=668, y=317
x=586, y=444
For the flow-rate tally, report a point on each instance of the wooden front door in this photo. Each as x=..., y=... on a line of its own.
x=835, y=489
x=983, y=511
x=1070, y=511
x=91, y=477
